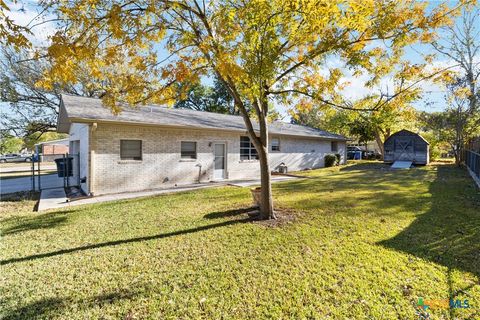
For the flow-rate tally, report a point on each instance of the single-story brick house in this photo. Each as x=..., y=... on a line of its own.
x=158, y=147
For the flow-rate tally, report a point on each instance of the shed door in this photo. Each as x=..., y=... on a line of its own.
x=404, y=149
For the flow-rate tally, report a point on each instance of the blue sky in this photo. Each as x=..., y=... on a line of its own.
x=433, y=99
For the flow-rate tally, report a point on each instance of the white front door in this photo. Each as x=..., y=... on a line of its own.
x=219, y=161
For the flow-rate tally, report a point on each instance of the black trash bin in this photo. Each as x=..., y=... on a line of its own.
x=62, y=165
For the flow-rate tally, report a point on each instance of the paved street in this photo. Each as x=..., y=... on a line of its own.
x=24, y=167
x=25, y=183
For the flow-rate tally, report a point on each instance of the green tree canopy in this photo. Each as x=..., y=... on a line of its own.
x=10, y=144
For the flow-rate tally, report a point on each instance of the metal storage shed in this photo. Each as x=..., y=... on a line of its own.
x=405, y=145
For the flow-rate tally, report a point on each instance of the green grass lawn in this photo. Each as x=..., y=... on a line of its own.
x=366, y=243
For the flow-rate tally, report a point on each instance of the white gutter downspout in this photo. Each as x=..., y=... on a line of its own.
x=91, y=171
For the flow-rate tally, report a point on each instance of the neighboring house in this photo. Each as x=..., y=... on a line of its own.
x=50, y=150
x=405, y=145
x=157, y=147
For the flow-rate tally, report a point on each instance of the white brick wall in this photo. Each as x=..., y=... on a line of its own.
x=162, y=166
x=79, y=133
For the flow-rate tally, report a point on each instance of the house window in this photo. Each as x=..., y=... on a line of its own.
x=275, y=144
x=334, y=146
x=188, y=150
x=247, y=150
x=131, y=149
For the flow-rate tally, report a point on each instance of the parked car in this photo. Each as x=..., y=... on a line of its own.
x=373, y=155
x=14, y=157
x=354, y=148
x=355, y=153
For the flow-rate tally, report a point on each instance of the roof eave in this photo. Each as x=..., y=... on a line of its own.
x=244, y=131
x=63, y=122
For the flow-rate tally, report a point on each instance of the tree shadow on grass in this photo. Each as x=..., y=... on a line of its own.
x=448, y=233
x=12, y=202
x=124, y=241
x=20, y=196
x=44, y=221
x=373, y=165
x=50, y=306
x=230, y=213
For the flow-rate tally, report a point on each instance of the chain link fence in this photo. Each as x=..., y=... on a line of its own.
x=60, y=171
x=36, y=173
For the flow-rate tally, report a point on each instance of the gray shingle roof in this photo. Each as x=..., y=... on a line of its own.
x=82, y=109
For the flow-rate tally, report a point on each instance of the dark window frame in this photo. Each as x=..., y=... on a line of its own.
x=187, y=155
x=277, y=149
x=247, y=149
x=332, y=144
x=124, y=156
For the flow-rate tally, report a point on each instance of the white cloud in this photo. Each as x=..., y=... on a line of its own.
x=27, y=13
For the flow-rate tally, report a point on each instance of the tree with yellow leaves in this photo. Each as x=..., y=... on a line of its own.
x=12, y=34
x=261, y=50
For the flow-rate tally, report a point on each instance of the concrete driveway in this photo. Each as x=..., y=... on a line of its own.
x=25, y=183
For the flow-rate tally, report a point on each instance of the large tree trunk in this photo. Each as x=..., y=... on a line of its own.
x=457, y=157
x=260, y=143
x=266, y=205
x=379, y=141
x=380, y=137
x=459, y=133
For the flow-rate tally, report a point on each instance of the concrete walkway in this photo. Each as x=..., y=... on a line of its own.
x=56, y=198
x=52, y=199
x=48, y=202
x=255, y=182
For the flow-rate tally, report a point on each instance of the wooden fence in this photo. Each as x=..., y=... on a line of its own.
x=472, y=161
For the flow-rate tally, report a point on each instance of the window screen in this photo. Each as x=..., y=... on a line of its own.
x=189, y=150
x=334, y=146
x=131, y=149
x=247, y=150
x=275, y=144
